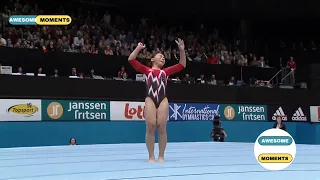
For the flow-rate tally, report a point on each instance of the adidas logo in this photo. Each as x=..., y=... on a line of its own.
x=279, y=112
x=299, y=115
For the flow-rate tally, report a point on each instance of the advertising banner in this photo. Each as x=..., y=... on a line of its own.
x=75, y=110
x=189, y=111
x=123, y=111
x=315, y=113
x=243, y=112
x=20, y=110
x=289, y=113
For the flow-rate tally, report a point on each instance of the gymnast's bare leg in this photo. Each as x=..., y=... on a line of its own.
x=150, y=114
x=162, y=117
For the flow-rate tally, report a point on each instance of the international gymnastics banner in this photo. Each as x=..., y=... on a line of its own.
x=190, y=111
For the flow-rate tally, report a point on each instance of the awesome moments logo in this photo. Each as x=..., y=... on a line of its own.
x=40, y=20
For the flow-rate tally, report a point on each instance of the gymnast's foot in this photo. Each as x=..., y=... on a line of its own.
x=151, y=159
x=161, y=159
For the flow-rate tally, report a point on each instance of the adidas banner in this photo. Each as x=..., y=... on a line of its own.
x=289, y=113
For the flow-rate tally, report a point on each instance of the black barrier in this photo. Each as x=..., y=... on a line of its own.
x=109, y=66
x=49, y=87
x=289, y=113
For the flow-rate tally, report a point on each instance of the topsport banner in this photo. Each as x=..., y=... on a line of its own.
x=75, y=110
x=20, y=110
x=190, y=111
x=289, y=113
x=244, y=112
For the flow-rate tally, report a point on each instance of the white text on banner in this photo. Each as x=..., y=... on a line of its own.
x=20, y=110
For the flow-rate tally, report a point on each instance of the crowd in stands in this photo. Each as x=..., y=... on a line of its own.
x=109, y=34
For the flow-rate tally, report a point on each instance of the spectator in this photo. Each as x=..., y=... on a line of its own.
x=108, y=50
x=125, y=76
x=20, y=70
x=254, y=61
x=92, y=74
x=81, y=76
x=201, y=79
x=121, y=72
x=117, y=51
x=39, y=71
x=187, y=79
x=74, y=72
x=292, y=65
x=213, y=80
x=213, y=59
x=55, y=73
x=72, y=142
x=232, y=81
x=125, y=51
x=279, y=124
x=78, y=41
x=3, y=42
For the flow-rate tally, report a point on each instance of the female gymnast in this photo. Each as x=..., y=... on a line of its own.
x=156, y=109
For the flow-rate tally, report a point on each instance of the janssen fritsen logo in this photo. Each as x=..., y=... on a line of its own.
x=27, y=109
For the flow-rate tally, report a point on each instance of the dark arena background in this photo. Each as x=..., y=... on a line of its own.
x=72, y=107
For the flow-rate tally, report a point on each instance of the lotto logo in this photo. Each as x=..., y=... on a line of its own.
x=123, y=111
x=131, y=112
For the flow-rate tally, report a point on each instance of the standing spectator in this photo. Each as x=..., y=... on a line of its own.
x=107, y=18
x=292, y=65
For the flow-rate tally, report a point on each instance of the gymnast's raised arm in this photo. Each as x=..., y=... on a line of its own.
x=136, y=64
x=182, y=62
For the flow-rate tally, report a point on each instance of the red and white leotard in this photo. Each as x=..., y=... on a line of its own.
x=156, y=80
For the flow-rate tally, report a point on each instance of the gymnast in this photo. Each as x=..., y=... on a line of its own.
x=156, y=109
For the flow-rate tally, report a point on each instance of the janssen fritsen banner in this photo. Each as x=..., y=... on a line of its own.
x=75, y=110
x=244, y=112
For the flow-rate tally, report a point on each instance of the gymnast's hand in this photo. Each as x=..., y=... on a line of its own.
x=140, y=46
x=180, y=44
